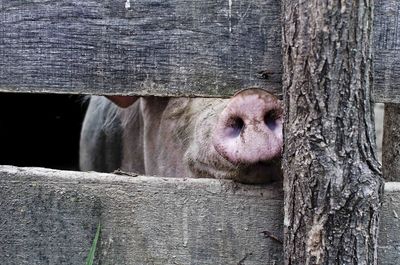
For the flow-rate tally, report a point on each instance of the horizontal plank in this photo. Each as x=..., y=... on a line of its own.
x=389, y=237
x=387, y=51
x=50, y=217
x=169, y=48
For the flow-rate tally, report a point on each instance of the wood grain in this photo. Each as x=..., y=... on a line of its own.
x=170, y=47
x=387, y=51
x=173, y=47
x=50, y=217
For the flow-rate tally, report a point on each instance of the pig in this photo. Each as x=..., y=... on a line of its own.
x=238, y=138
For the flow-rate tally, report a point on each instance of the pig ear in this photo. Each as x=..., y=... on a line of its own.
x=123, y=101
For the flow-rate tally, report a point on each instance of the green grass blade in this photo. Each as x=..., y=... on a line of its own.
x=90, y=257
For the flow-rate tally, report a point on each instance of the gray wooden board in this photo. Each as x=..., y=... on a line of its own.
x=50, y=217
x=389, y=233
x=160, y=47
x=169, y=47
x=387, y=51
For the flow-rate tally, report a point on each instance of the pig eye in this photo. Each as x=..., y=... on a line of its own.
x=270, y=119
x=235, y=126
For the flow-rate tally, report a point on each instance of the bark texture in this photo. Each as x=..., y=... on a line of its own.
x=391, y=143
x=333, y=181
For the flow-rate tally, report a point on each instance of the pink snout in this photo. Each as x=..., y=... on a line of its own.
x=249, y=129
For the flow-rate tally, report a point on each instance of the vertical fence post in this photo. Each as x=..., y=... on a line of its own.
x=391, y=143
x=332, y=178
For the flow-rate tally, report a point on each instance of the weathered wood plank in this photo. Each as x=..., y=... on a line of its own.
x=389, y=236
x=174, y=47
x=387, y=51
x=50, y=217
x=168, y=47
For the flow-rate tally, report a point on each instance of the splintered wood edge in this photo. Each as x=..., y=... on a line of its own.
x=214, y=186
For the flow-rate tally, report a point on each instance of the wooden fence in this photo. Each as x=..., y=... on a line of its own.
x=169, y=48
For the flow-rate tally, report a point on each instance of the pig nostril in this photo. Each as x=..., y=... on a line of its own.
x=234, y=126
x=270, y=120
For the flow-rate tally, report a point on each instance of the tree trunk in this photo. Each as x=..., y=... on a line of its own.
x=391, y=143
x=332, y=177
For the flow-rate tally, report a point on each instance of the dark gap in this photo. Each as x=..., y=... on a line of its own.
x=41, y=130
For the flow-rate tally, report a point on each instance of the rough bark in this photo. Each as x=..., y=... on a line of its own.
x=333, y=183
x=391, y=143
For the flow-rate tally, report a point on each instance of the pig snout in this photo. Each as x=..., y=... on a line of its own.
x=249, y=129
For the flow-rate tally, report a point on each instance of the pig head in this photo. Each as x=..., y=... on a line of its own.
x=238, y=138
